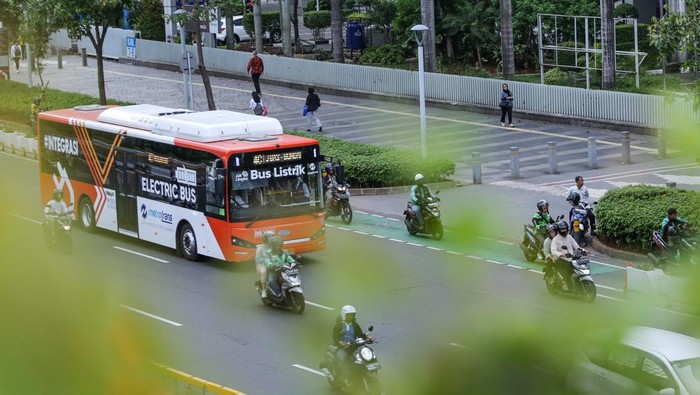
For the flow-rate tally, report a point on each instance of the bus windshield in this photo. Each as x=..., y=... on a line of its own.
x=267, y=187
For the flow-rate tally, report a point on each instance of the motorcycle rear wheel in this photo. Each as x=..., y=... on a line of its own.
x=298, y=302
x=530, y=254
x=438, y=231
x=372, y=385
x=411, y=227
x=589, y=291
x=550, y=283
x=345, y=212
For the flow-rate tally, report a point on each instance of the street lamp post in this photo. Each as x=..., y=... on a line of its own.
x=183, y=54
x=421, y=85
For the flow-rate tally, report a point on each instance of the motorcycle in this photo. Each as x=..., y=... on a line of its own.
x=431, y=218
x=684, y=238
x=364, y=375
x=579, y=222
x=581, y=280
x=532, y=248
x=57, y=232
x=340, y=202
x=292, y=296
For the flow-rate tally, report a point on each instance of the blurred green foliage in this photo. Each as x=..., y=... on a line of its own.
x=627, y=216
x=387, y=54
x=270, y=23
x=317, y=19
x=372, y=166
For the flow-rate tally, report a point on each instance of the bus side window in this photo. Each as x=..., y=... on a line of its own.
x=216, y=186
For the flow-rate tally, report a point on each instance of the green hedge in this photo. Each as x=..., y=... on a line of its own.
x=270, y=23
x=317, y=19
x=16, y=99
x=627, y=216
x=371, y=166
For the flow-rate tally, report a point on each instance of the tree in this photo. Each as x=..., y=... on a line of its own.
x=92, y=19
x=507, y=52
x=229, y=8
x=607, y=38
x=337, y=31
x=202, y=14
x=474, y=21
x=427, y=12
x=147, y=17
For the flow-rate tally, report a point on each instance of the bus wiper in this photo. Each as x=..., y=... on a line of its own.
x=253, y=220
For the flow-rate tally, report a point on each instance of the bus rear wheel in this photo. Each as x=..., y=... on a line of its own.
x=86, y=214
x=187, y=243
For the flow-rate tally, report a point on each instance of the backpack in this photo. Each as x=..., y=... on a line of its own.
x=258, y=110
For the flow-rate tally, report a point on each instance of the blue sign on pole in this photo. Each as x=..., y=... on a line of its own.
x=126, y=19
x=131, y=47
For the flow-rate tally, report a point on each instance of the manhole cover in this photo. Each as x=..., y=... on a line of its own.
x=342, y=123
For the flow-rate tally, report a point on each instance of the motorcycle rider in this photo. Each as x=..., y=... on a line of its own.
x=262, y=253
x=562, y=258
x=547, y=245
x=345, y=331
x=276, y=259
x=419, y=194
x=329, y=183
x=671, y=221
x=582, y=191
x=540, y=220
x=54, y=209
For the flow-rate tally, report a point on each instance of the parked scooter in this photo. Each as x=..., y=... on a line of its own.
x=431, y=218
x=683, y=237
x=363, y=377
x=581, y=280
x=532, y=248
x=292, y=296
x=57, y=233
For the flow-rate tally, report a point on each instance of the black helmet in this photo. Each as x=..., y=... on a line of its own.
x=563, y=227
x=551, y=227
x=541, y=204
x=574, y=198
x=329, y=168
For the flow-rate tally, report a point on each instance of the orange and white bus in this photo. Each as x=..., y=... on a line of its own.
x=205, y=183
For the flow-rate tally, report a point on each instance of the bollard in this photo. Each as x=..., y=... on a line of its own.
x=553, y=168
x=626, y=148
x=514, y=163
x=60, y=60
x=84, y=53
x=592, y=155
x=661, y=143
x=476, y=167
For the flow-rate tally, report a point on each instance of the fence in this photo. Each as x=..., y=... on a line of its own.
x=645, y=111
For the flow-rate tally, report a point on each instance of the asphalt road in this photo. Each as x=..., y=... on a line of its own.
x=469, y=298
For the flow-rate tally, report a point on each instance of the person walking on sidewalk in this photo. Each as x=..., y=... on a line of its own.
x=506, y=105
x=16, y=54
x=256, y=68
x=313, y=102
x=257, y=105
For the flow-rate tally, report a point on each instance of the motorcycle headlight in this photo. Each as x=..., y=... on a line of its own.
x=367, y=354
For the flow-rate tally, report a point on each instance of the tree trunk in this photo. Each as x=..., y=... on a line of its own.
x=427, y=13
x=230, y=44
x=607, y=38
x=257, y=26
x=337, y=31
x=295, y=25
x=98, y=42
x=286, y=24
x=507, y=52
x=200, y=56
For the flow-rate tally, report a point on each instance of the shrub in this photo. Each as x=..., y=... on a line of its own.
x=371, y=166
x=625, y=11
x=387, y=54
x=627, y=216
x=317, y=19
x=624, y=35
x=568, y=58
x=270, y=22
x=322, y=5
x=556, y=76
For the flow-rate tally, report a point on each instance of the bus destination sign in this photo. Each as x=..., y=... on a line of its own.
x=276, y=157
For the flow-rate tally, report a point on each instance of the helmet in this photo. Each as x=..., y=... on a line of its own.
x=275, y=242
x=551, y=227
x=542, y=204
x=563, y=227
x=266, y=235
x=574, y=198
x=418, y=178
x=57, y=194
x=37, y=100
x=329, y=167
x=347, y=309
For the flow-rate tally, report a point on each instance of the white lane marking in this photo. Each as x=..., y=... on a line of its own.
x=435, y=248
x=18, y=157
x=452, y=252
x=393, y=219
x=475, y=257
x=135, y=310
x=609, y=288
x=414, y=244
x=397, y=240
x=361, y=233
x=140, y=254
x=320, y=306
x=674, y=312
x=302, y=367
x=361, y=212
x=375, y=215
x=457, y=345
x=612, y=298
x=24, y=218
x=505, y=242
x=608, y=264
x=535, y=271
x=515, y=267
x=379, y=236
x=496, y=262
x=343, y=228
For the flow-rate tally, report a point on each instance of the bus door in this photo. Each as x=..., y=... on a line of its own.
x=127, y=184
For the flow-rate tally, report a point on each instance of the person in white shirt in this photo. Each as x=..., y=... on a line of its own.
x=562, y=258
x=582, y=191
x=16, y=54
x=256, y=104
x=55, y=209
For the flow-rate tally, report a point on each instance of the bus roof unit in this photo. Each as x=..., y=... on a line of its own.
x=205, y=126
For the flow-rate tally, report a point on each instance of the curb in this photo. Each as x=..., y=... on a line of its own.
x=400, y=189
x=620, y=254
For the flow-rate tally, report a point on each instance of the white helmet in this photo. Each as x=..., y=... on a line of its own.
x=347, y=309
x=418, y=177
x=266, y=236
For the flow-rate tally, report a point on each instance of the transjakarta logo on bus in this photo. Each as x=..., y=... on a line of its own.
x=61, y=144
x=288, y=171
x=161, y=215
x=169, y=190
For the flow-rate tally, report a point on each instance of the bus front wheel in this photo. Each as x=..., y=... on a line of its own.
x=187, y=243
x=86, y=214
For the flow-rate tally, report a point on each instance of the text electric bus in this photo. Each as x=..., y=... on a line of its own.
x=205, y=183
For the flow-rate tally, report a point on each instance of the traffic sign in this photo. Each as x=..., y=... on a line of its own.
x=188, y=62
x=131, y=47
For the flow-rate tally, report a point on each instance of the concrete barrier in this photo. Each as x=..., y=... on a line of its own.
x=184, y=383
x=18, y=143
